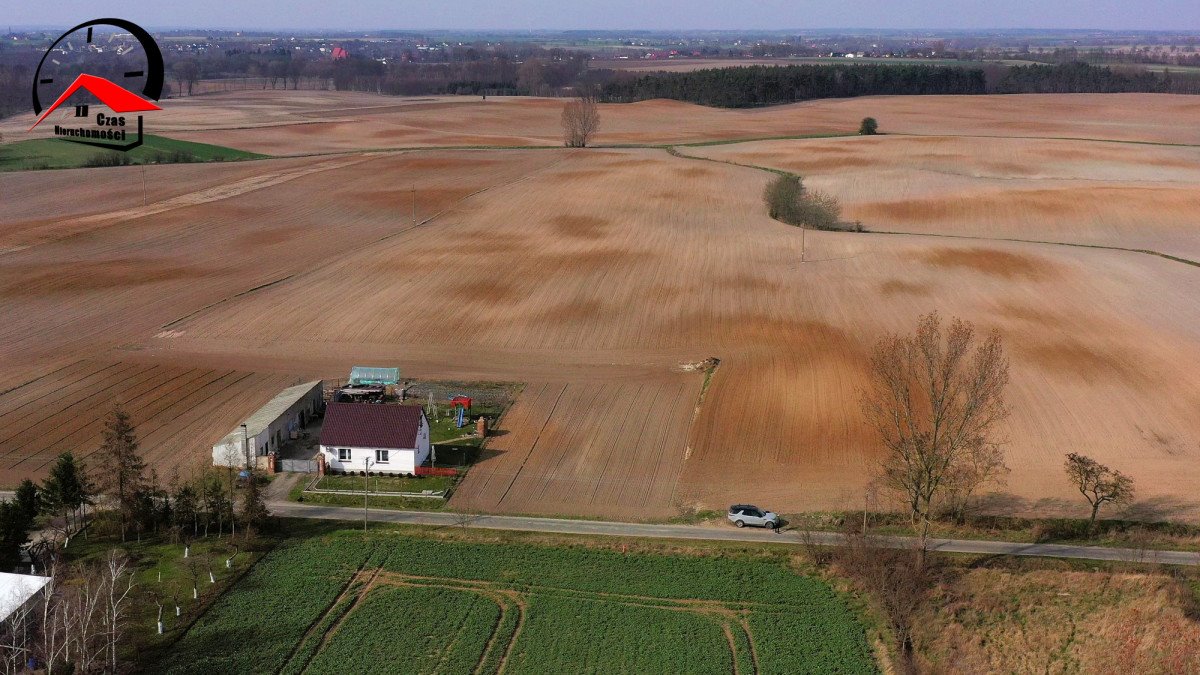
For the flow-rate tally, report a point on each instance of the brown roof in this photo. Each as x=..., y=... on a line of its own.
x=371, y=425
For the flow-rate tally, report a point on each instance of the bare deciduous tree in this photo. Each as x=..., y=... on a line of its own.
x=897, y=582
x=580, y=120
x=936, y=398
x=118, y=583
x=17, y=632
x=1098, y=484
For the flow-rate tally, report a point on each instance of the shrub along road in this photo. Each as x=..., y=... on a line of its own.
x=597, y=527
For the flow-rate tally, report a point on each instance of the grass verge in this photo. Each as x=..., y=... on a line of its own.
x=52, y=153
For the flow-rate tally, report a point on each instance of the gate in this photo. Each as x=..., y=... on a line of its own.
x=298, y=465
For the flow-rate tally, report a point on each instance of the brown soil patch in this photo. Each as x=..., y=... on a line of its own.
x=992, y=262
x=270, y=237
x=898, y=287
x=100, y=275
x=1075, y=359
x=581, y=226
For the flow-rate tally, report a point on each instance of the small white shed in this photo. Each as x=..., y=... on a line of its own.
x=389, y=438
x=268, y=427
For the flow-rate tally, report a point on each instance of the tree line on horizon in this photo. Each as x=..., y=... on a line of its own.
x=753, y=86
x=557, y=72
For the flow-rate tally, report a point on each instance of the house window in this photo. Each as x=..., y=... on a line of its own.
x=343, y=454
x=381, y=456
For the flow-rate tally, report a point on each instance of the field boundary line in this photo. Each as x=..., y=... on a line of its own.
x=1106, y=247
x=1102, y=247
x=1049, y=138
x=239, y=294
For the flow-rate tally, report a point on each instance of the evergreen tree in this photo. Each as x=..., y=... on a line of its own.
x=254, y=510
x=14, y=532
x=215, y=504
x=66, y=491
x=185, y=512
x=29, y=499
x=122, y=473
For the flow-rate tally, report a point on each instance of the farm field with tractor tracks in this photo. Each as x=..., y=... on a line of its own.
x=348, y=600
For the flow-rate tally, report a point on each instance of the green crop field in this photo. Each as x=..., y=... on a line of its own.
x=53, y=153
x=389, y=601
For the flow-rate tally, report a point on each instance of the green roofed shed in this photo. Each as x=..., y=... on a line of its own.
x=376, y=376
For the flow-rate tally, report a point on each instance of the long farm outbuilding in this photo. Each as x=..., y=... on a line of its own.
x=267, y=428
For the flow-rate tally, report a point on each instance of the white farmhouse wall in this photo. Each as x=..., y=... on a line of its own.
x=399, y=461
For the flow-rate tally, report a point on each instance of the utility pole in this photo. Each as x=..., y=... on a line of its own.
x=414, y=200
x=803, y=233
x=246, y=444
x=366, y=492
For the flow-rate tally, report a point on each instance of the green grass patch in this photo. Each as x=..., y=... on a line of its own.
x=587, y=609
x=565, y=635
x=442, y=429
x=374, y=501
x=161, y=572
x=808, y=639
x=53, y=153
x=385, y=483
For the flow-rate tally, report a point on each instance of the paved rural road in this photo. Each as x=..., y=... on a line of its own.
x=563, y=526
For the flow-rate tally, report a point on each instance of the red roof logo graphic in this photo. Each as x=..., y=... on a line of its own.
x=114, y=96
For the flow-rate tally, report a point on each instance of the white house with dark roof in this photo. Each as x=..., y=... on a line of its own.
x=391, y=438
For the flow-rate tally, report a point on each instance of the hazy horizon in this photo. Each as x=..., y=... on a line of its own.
x=524, y=15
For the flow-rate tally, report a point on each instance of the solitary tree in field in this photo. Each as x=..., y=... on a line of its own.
x=936, y=399
x=1097, y=483
x=869, y=127
x=580, y=120
x=122, y=470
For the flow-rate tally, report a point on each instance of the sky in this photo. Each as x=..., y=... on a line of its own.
x=1174, y=15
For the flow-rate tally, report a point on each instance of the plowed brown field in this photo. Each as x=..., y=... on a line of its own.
x=609, y=449
x=591, y=275
x=173, y=408
x=88, y=277
x=1082, y=192
x=281, y=123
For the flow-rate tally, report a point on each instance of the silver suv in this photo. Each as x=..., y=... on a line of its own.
x=745, y=514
